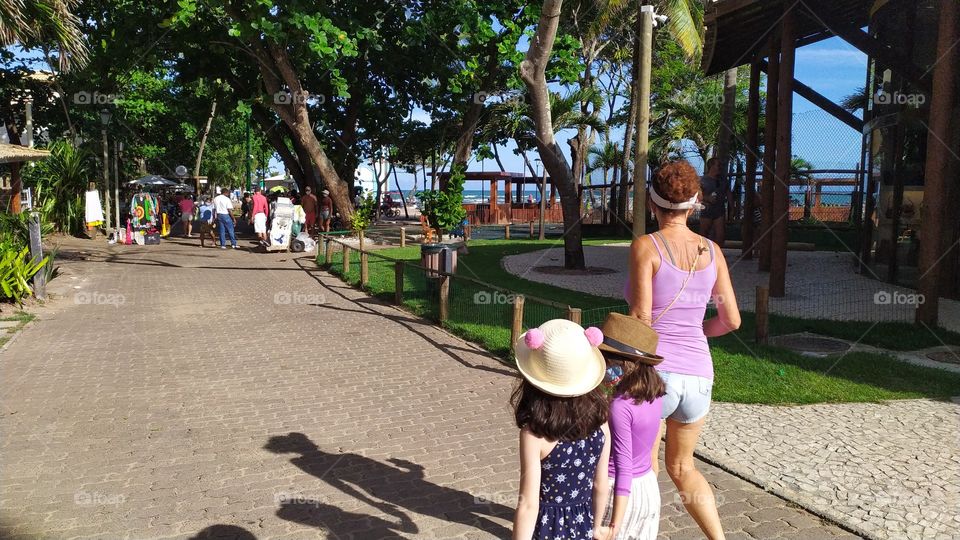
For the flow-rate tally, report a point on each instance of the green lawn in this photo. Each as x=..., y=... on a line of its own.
x=745, y=372
x=22, y=317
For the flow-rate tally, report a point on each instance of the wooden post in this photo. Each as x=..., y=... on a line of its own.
x=506, y=231
x=346, y=259
x=763, y=314
x=753, y=151
x=938, y=166
x=781, y=197
x=517, y=326
x=36, y=254
x=398, y=283
x=531, y=230
x=574, y=314
x=641, y=150
x=364, y=269
x=327, y=250
x=403, y=237
x=444, y=297
x=769, y=154
x=360, y=236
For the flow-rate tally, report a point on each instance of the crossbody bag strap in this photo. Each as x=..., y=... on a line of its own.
x=683, y=286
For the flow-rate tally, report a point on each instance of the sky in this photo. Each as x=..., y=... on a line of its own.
x=831, y=67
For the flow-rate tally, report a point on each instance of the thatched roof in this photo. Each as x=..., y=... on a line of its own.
x=14, y=153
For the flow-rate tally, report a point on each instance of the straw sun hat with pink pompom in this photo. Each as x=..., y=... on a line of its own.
x=561, y=358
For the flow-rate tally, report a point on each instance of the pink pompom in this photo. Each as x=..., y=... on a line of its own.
x=594, y=336
x=534, y=338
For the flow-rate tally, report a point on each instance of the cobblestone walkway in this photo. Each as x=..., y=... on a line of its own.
x=175, y=392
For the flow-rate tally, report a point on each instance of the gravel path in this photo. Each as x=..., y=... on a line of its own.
x=820, y=284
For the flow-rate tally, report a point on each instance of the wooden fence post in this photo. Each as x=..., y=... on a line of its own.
x=346, y=259
x=403, y=237
x=763, y=314
x=327, y=250
x=36, y=253
x=506, y=231
x=531, y=229
x=574, y=314
x=444, y=297
x=364, y=269
x=398, y=283
x=517, y=325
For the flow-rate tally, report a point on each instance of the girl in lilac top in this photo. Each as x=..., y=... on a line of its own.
x=634, y=508
x=674, y=273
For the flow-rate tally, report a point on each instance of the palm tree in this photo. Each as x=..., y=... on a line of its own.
x=30, y=22
x=607, y=157
x=684, y=20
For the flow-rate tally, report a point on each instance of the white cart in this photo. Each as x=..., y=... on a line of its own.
x=282, y=226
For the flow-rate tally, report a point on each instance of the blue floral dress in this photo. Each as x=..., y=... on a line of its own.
x=566, y=489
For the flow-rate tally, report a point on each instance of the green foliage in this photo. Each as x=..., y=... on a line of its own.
x=59, y=183
x=362, y=216
x=16, y=269
x=444, y=209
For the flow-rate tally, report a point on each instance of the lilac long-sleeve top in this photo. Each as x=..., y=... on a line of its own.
x=633, y=430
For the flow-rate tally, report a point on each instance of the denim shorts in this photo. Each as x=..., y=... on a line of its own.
x=688, y=397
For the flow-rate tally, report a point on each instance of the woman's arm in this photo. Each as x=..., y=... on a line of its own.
x=601, y=484
x=528, y=500
x=640, y=282
x=728, y=314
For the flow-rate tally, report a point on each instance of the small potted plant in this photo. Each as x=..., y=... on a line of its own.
x=443, y=212
x=362, y=217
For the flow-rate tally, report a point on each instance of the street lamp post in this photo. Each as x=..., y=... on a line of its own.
x=105, y=116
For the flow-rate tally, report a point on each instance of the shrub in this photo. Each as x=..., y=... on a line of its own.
x=16, y=269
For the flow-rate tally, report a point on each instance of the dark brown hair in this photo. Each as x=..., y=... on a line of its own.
x=640, y=381
x=676, y=182
x=559, y=418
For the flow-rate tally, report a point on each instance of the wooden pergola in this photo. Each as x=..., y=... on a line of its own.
x=514, y=209
x=766, y=34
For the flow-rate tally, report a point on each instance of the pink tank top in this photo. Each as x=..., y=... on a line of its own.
x=682, y=344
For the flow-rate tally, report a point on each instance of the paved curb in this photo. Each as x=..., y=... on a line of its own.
x=789, y=495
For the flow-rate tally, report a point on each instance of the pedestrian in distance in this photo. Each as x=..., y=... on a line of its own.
x=259, y=210
x=326, y=211
x=225, y=220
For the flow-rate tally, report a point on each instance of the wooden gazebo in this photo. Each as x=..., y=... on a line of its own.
x=514, y=209
x=14, y=155
x=912, y=49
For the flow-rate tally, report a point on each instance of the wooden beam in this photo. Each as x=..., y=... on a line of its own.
x=823, y=102
x=781, y=196
x=769, y=155
x=939, y=157
x=753, y=151
x=883, y=53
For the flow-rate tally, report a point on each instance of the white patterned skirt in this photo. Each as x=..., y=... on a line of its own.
x=642, y=518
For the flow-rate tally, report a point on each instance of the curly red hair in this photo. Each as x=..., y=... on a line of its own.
x=676, y=181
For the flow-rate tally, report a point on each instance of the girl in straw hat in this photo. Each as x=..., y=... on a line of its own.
x=564, y=438
x=633, y=512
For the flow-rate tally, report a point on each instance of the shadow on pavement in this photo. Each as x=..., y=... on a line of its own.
x=223, y=532
x=388, y=487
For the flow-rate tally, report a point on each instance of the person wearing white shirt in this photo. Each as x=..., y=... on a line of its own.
x=225, y=221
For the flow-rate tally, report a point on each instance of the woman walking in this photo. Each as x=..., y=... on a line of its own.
x=674, y=273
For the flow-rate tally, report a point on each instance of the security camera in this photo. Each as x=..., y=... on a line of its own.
x=660, y=19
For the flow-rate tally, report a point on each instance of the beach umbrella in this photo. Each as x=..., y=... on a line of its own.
x=152, y=180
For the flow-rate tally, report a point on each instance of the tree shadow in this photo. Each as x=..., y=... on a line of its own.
x=388, y=487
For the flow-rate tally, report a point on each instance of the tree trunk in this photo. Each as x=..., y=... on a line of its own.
x=13, y=134
x=274, y=64
x=403, y=198
x=203, y=143
x=533, y=73
x=496, y=157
